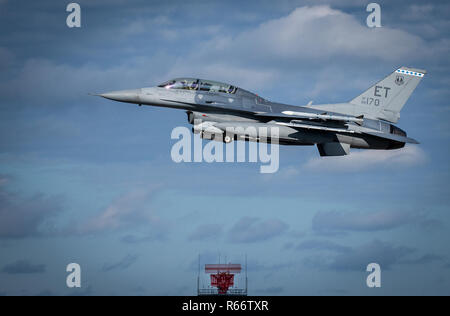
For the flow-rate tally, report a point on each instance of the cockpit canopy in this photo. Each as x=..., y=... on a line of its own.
x=198, y=84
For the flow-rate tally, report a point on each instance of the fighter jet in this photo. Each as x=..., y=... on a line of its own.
x=214, y=109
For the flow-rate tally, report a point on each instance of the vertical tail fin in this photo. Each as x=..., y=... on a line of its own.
x=387, y=97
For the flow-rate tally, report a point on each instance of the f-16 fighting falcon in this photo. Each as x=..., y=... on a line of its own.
x=215, y=108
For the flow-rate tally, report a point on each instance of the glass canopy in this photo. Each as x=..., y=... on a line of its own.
x=199, y=84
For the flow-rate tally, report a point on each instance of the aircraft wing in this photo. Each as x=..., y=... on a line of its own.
x=314, y=117
x=300, y=121
x=398, y=138
x=300, y=124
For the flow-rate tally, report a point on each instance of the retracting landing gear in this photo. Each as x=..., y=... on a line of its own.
x=227, y=139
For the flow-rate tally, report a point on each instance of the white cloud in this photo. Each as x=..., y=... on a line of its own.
x=206, y=232
x=312, y=44
x=327, y=222
x=248, y=78
x=368, y=159
x=254, y=58
x=322, y=245
x=55, y=82
x=384, y=253
x=23, y=267
x=316, y=33
x=142, y=26
x=249, y=229
x=129, y=210
x=26, y=216
x=123, y=264
x=356, y=258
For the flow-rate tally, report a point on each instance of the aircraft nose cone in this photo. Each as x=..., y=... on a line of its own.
x=123, y=95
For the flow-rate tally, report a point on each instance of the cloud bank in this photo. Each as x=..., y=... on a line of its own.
x=23, y=267
x=368, y=159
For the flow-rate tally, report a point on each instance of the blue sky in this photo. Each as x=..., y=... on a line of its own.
x=87, y=180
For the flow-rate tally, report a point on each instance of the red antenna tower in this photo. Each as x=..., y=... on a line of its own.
x=221, y=275
x=222, y=279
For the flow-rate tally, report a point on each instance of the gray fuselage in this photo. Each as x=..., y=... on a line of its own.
x=245, y=109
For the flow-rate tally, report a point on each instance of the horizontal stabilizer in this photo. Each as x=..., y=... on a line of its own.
x=333, y=149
